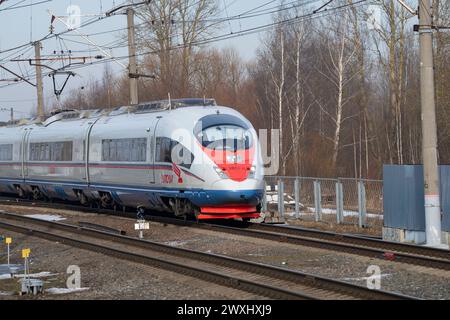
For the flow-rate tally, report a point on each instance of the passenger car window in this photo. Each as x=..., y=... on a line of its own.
x=126, y=150
x=6, y=152
x=51, y=151
x=170, y=151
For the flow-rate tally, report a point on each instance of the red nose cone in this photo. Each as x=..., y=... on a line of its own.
x=236, y=172
x=236, y=165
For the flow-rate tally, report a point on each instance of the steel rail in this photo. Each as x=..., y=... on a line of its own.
x=365, y=246
x=375, y=248
x=334, y=288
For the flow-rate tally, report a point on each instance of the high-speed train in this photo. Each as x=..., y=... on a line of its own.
x=185, y=156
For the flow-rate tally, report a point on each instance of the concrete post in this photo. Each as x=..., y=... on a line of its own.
x=339, y=202
x=297, y=197
x=39, y=85
x=361, y=204
x=134, y=98
x=281, y=198
x=429, y=134
x=317, y=200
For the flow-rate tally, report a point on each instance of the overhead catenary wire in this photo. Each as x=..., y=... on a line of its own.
x=16, y=6
x=97, y=19
x=87, y=23
x=248, y=31
x=52, y=35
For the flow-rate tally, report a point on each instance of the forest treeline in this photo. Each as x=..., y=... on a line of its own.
x=342, y=87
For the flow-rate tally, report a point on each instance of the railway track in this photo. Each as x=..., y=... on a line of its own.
x=370, y=247
x=269, y=281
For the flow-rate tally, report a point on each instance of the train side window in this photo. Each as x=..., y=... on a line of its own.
x=170, y=151
x=105, y=150
x=180, y=155
x=163, y=150
x=67, y=150
x=138, y=149
x=125, y=150
x=51, y=151
x=6, y=152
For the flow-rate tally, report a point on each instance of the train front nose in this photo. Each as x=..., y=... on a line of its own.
x=224, y=198
x=228, y=202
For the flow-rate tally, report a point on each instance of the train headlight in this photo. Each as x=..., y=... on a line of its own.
x=252, y=172
x=220, y=173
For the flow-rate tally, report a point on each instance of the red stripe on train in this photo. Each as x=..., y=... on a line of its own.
x=228, y=210
x=229, y=216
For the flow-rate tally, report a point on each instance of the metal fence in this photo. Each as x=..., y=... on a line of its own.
x=342, y=200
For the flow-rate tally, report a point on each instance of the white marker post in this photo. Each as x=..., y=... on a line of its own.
x=141, y=225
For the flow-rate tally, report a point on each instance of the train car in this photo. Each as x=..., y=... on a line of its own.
x=185, y=156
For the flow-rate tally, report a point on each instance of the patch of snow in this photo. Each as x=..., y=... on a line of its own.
x=5, y=276
x=347, y=213
x=272, y=198
x=64, y=290
x=46, y=217
x=177, y=243
x=6, y=293
x=37, y=275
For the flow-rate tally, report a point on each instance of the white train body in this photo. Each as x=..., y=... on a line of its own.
x=126, y=157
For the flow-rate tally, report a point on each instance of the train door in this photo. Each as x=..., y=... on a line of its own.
x=152, y=143
x=86, y=149
x=24, y=152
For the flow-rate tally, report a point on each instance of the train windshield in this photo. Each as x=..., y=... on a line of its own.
x=225, y=137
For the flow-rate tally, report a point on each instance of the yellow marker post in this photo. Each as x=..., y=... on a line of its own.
x=25, y=255
x=8, y=241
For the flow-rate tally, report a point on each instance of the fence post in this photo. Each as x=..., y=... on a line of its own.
x=264, y=200
x=317, y=201
x=297, y=197
x=339, y=202
x=362, y=203
x=281, y=197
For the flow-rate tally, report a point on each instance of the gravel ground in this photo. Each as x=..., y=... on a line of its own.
x=417, y=281
x=105, y=277
x=329, y=224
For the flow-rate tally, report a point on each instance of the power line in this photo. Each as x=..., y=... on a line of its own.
x=16, y=5
x=231, y=35
x=242, y=33
x=261, y=28
x=52, y=35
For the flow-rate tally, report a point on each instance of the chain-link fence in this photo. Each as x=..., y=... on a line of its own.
x=342, y=200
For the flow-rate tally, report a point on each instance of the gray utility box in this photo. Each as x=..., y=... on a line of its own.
x=403, y=201
x=31, y=286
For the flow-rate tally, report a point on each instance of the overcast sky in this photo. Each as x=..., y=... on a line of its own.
x=23, y=25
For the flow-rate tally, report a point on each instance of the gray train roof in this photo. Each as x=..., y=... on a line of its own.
x=186, y=110
x=147, y=107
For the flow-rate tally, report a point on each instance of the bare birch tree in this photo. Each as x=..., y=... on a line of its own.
x=339, y=57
